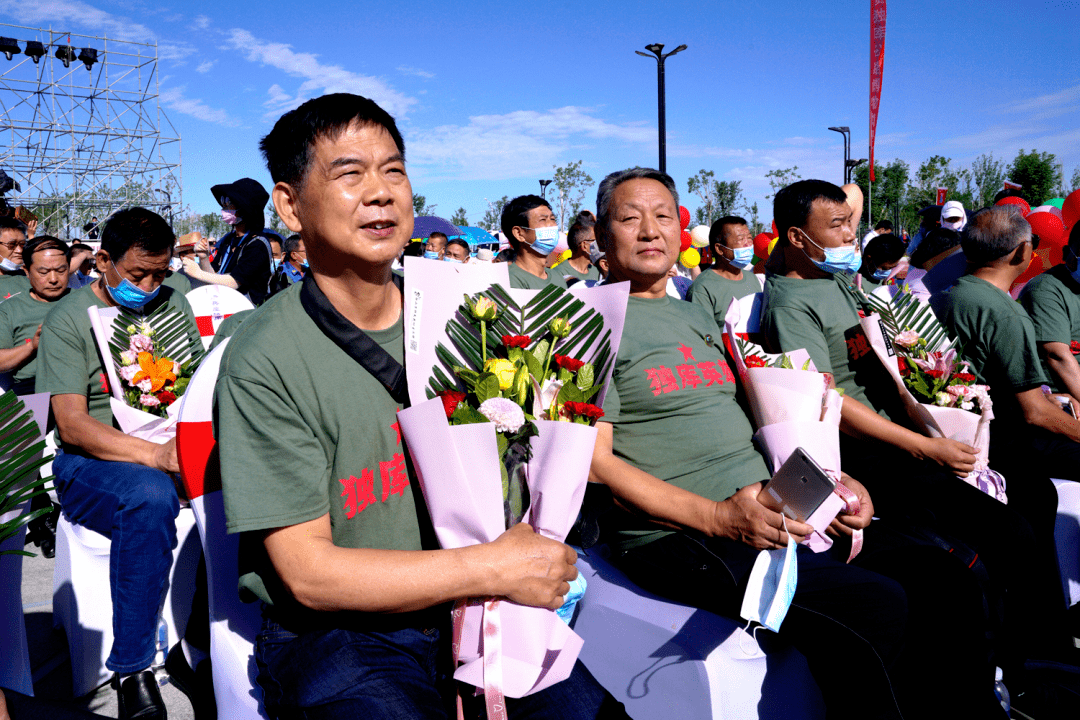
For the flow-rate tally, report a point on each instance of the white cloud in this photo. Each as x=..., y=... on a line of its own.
x=205, y=66
x=318, y=77
x=516, y=144
x=415, y=71
x=202, y=22
x=1047, y=106
x=173, y=98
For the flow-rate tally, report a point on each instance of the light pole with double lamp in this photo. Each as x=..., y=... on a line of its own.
x=657, y=50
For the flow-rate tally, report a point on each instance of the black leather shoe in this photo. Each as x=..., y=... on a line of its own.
x=197, y=684
x=139, y=697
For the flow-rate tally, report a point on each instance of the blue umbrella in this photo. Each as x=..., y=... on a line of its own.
x=474, y=236
x=424, y=225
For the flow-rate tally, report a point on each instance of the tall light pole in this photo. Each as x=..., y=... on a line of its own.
x=657, y=51
x=846, y=132
x=543, y=188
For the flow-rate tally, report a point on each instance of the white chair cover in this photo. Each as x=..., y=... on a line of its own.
x=212, y=304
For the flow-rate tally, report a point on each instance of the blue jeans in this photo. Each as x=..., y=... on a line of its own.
x=396, y=668
x=136, y=507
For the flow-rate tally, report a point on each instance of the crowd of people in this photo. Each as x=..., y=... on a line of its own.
x=952, y=585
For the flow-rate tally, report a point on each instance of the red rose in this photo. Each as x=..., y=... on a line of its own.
x=569, y=363
x=519, y=341
x=166, y=398
x=450, y=400
x=755, y=361
x=902, y=365
x=583, y=409
x=1074, y=347
x=964, y=377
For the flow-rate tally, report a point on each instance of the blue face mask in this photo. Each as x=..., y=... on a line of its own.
x=304, y=264
x=771, y=586
x=431, y=255
x=128, y=294
x=743, y=257
x=880, y=275
x=277, y=264
x=546, y=240
x=449, y=259
x=840, y=259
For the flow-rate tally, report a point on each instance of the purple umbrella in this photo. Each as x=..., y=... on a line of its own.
x=424, y=225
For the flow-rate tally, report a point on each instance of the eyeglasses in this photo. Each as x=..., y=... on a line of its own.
x=14, y=244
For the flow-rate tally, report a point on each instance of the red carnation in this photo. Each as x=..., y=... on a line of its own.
x=450, y=400
x=166, y=398
x=935, y=373
x=565, y=361
x=904, y=369
x=583, y=409
x=964, y=377
x=518, y=341
x=755, y=361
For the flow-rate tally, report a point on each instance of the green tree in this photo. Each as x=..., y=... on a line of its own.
x=459, y=218
x=211, y=225
x=572, y=183
x=781, y=178
x=420, y=206
x=275, y=222
x=922, y=190
x=987, y=176
x=1075, y=182
x=492, y=221
x=754, y=220
x=889, y=192
x=1038, y=173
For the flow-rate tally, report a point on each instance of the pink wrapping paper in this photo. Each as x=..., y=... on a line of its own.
x=953, y=423
x=458, y=471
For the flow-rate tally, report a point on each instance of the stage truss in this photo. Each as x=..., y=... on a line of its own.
x=86, y=140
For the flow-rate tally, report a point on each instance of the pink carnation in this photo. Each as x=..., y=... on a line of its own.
x=506, y=414
x=128, y=372
x=146, y=385
x=129, y=357
x=147, y=400
x=141, y=343
x=908, y=339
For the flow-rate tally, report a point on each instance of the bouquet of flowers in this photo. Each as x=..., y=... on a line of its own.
x=941, y=396
x=793, y=407
x=505, y=389
x=150, y=360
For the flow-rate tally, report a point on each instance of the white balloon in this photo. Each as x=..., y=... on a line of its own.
x=699, y=236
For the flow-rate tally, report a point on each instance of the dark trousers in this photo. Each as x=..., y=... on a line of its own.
x=847, y=621
x=398, y=669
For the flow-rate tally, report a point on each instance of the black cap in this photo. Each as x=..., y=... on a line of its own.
x=248, y=197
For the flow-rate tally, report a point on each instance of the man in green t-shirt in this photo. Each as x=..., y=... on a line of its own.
x=675, y=448
x=335, y=541
x=808, y=306
x=580, y=238
x=1030, y=432
x=1052, y=300
x=21, y=315
x=530, y=226
x=13, y=237
x=108, y=481
x=728, y=278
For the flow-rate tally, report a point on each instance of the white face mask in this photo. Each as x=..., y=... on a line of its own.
x=6, y=264
x=771, y=587
x=957, y=226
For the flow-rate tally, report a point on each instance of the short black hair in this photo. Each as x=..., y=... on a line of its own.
x=289, y=246
x=883, y=225
x=515, y=214
x=10, y=222
x=606, y=191
x=436, y=234
x=882, y=249
x=993, y=233
x=287, y=148
x=41, y=243
x=459, y=241
x=716, y=232
x=582, y=223
x=136, y=227
x=414, y=249
x=792, y=205
x=933, y=244
x=79, y=245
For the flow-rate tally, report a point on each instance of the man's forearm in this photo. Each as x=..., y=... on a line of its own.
x=211, y=277
x=861, y=422
x=1063, y=364
x=104, y=442
x=16, y=357
x=1042, y=412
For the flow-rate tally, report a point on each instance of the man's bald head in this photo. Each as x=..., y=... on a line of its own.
x=993, y=233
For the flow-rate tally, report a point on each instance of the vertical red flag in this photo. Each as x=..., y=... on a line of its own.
x=942, y=194
x=877, y=64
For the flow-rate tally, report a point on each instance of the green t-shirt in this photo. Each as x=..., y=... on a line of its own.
x=68, y=359
x=567, y=271
x=178, y=281
x=715, y=293
x=228, y=327
x=997, y=338
x=527, y=281
x=822, y=317
x=1052, y=301
x=303, y=431
x=12, y=285
x=672, y=406
x=19, y=320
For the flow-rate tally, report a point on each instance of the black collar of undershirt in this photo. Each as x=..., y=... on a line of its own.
x=354, y=341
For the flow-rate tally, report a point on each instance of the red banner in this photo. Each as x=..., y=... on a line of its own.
x=942, y=193
x=877, y=64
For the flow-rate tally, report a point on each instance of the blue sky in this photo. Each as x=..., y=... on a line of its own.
x=489, y=96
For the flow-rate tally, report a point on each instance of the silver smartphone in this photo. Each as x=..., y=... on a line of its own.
x=798, y=488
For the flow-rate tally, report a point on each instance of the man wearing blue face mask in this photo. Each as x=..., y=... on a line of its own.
x=530, y=226
x=110, y=482
x=293, y=266
x=880, y=257
x=457, y=251
x=435, y=247
x=730, y=275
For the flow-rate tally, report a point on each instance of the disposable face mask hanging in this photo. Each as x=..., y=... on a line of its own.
x=771, y=586
x=128, y=294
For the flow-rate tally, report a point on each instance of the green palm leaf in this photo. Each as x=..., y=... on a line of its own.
x=21, y=454
x=904, y=312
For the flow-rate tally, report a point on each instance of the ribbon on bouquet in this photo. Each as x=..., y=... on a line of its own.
x=852, y=506
x=494, y=697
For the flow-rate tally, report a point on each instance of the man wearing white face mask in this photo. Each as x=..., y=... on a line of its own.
x=529, y=224
x=953, y=216
x=730, y=275
x=13, y=236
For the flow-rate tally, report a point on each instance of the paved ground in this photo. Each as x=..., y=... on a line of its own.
x=49, y=650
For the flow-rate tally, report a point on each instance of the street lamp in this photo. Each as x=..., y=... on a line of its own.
x=846, y=132
x=543, y=188
x=657, y=51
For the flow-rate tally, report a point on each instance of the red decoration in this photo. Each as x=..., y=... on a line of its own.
x=755, y=361
x=1070, y=209
x=774, y=232
x=877, y=67
x=450, y=400
x=1052, y=240
x=964, y=377
x=1019, y=202
x=761, y=245
x=685, y=244
x=684, y=218
x=1074, y=347
x=565, y=361
x=518, y=341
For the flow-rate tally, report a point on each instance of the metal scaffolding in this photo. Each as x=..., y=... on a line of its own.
x=83, y=132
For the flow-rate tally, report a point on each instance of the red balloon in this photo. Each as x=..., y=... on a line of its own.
x=761, y=245
x=1052, y=240
x=684, y=217
x=1070, y=209
x=685, y=242
x=1019, y=201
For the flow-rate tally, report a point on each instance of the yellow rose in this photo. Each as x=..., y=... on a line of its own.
x=504, y=370
x=485, y=309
